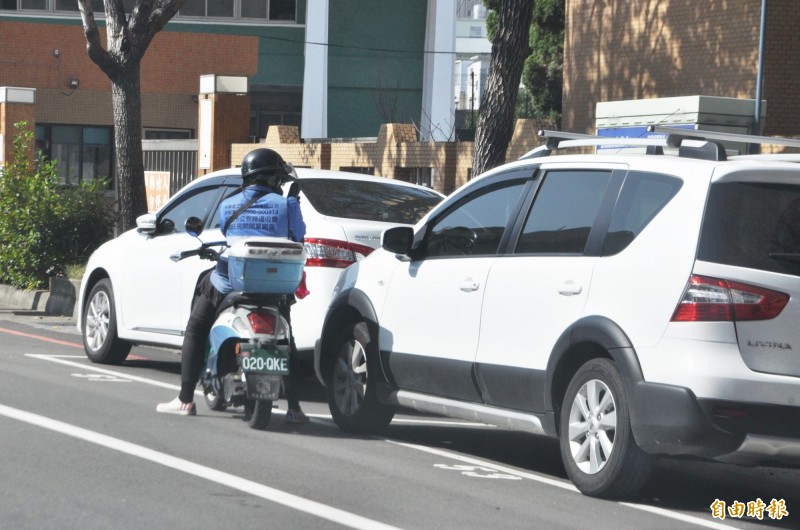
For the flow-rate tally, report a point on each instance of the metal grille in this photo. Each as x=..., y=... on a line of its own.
x=178, y=157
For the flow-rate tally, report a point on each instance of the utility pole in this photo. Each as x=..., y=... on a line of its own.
x=472, y=99
x=755, y=148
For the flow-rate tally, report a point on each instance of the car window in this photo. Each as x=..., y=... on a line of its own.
x=197, y=203
x=475, y=226
x=369, y=201
x=754, y=225
x=643, y=195
x=563, y=212
x=228, y=191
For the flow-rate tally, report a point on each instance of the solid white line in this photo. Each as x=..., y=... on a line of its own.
x=564, y=485
x=249, y=487
x=679, y=516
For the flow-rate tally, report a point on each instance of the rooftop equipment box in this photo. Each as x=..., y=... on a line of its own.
x=629, y=119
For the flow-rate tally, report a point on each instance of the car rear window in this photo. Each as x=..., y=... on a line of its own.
x=369, y=201
x=754, y=225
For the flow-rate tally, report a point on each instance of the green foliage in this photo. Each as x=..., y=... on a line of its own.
x=544, y=70
x=492, y=21
x=45, y=227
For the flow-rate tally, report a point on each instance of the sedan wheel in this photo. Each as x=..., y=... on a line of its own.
x=100, y=341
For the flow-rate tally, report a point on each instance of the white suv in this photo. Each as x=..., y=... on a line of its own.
x=631, y=305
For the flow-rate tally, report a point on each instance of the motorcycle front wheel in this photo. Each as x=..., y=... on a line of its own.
x=257, y=413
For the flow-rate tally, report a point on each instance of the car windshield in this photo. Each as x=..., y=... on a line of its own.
x=370, y=201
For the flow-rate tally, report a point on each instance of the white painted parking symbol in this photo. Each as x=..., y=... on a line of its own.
x=476, y=471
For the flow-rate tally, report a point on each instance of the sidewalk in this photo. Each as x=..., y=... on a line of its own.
x=54, y=309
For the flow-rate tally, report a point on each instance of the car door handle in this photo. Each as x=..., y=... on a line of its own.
x=469, y=285
x=569, y=288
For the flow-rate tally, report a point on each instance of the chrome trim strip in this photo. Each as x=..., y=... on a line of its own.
x=173, y=332
x=468, y=411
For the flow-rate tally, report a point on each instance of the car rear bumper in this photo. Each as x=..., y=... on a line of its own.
x=670, y=420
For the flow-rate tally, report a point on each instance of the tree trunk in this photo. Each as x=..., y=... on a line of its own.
x=496, y=115
x=126, y=102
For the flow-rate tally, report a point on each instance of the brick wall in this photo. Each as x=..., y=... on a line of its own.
x=170, y=73
x=632, y=49
x=392, y=154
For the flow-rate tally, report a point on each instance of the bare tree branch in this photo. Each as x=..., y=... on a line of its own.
x=127, y=41
x=94, y=47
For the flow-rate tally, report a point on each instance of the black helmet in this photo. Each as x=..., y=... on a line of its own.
x=266, y=167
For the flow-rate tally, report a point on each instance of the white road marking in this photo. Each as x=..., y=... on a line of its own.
x=294, y=502
x=563, y=485
x=57, y=359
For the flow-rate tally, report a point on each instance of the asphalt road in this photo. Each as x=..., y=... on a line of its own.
x=81, y=446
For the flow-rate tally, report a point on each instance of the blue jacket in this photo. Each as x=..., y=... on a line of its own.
x=271, y=215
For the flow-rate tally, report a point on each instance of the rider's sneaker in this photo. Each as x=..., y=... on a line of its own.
x=296, y=416
x=176, y=406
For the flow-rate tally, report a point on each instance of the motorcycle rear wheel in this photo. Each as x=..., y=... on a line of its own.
x=215, y=401
x=257, y=413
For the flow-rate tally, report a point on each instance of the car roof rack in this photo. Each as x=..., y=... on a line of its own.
x=699, y=134
x=707, y=150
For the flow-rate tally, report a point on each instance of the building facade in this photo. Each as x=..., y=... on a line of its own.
x=333, y=68
x=641, y=49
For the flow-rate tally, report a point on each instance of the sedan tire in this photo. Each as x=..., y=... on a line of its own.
x=100, y=340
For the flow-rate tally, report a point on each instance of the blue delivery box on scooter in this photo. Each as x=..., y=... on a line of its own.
x=266, y=265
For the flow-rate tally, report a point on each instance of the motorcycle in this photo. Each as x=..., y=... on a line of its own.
x=248, y=353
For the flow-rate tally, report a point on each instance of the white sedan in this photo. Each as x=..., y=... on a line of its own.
x=132, y=293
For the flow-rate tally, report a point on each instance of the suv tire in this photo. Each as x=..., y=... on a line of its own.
x=597, y=445
x=351, y=392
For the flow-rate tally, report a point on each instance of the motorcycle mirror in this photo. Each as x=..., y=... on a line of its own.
x=194, y=226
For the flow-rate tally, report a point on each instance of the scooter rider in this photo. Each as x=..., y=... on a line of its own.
x=258, y=210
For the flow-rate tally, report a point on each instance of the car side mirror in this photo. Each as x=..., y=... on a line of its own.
x=398, y=239
x=146, y=224
x=194, y=226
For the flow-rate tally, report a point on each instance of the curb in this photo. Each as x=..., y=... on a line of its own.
x=59, y=300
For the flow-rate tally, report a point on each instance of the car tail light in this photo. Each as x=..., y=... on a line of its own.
x=333, y=253
x=263, y=323
x=711, y=299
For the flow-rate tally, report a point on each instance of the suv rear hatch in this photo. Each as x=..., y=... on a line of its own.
x=751, y=229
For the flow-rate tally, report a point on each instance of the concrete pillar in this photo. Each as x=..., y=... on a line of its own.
x=223, y=119
x=437, y=122
x=16, y=105
x=315, y=77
